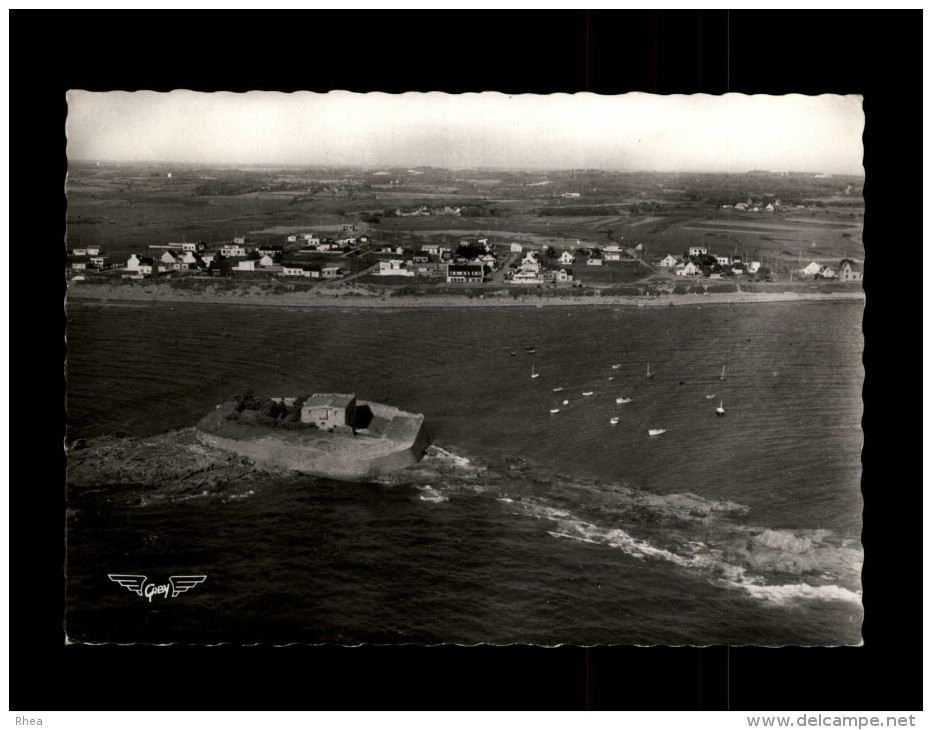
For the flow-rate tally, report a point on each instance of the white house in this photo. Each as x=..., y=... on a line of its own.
x=529, y=258
x=687, y=269
x=812, y=268
x=527, y=277
x=516, y=248
x=827, y=272
x=185, y=246
x=142, y=265
x=208, y=258
x=245, y=265
x=233, y=249
x=723, y=260
x=394, y=267
x=292, y=239
x=698, y=250
x=240, y=240
x=753, y=267
x=266, y=261
x=769, y=208
x=305, y=270
x=330, y=272
x=564, y=275
x=669, y=261
x=101, y=262
x=594, y=260
x=79, y=252
x=93, y=250
x=741, y=206
x=190, y=260
x=567, y=258
x=612, y=255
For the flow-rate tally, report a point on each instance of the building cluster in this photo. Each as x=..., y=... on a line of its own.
x=848, y=270
x=698, y=262
x=753, y=205
x=85, y=259
x=531, y=271
x=470, y=262
x=243, y=257
x=612, y=252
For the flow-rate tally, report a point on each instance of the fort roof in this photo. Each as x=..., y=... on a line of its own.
x=330, y=400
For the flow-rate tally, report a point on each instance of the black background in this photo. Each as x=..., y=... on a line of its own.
x=877, y=54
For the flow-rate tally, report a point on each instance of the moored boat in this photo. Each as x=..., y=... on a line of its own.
x=656, y=431
x=621, y=400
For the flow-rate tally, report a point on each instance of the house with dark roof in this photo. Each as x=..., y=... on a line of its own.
x=848, y=270
x=465, y=273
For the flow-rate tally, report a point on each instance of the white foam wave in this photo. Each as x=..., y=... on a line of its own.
x=429, y=494
x=702, y=559
x=438, y=452
x=785, y=594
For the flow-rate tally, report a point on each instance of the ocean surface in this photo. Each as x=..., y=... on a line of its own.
x=519, y=525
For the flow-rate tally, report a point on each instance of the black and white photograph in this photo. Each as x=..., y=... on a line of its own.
x=425, y=368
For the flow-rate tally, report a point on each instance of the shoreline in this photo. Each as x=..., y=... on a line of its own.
x=341, y=299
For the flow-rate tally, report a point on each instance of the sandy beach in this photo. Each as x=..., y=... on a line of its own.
x=337, y=297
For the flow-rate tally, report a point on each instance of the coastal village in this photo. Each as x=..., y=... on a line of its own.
x=352, y=254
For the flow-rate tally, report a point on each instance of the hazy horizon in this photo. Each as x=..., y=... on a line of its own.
x=677, y=134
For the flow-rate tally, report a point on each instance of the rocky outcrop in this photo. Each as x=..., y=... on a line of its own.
x=394, y=441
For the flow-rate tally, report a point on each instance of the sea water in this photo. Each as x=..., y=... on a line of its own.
x=519, y=525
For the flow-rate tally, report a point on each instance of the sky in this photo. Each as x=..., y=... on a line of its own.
x=678, y=133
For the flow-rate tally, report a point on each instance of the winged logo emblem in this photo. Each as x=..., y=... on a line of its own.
x=182, y=583
x=177, y=584
x=133, y=582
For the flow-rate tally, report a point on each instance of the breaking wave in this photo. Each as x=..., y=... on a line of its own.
x=708, y=537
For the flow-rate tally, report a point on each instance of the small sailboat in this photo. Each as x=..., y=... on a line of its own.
x=554, y=410
x=656, y=431
x=588, y=392
x=616, y=366
x=614, y=420
x=722, y=376
x=720, y=410
x=710, y=397
x=622, y=400
x=649, y=373
x=557, y=390
x=533, y=374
